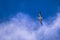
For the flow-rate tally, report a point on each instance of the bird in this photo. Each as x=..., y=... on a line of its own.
x=40, y=17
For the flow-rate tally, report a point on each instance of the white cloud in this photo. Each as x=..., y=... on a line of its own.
x=22, y=27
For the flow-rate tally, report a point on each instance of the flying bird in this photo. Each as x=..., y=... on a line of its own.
x=40, y=17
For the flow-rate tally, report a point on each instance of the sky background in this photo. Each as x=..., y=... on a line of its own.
x=9, y=8
x=19, y=20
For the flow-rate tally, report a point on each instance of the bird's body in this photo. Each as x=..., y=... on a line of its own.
x=40, y=15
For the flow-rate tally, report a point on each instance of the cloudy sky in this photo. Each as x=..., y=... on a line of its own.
x=19, y=20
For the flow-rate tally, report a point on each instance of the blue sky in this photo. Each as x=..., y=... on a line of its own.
x=18, y=20
x=9, y=8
